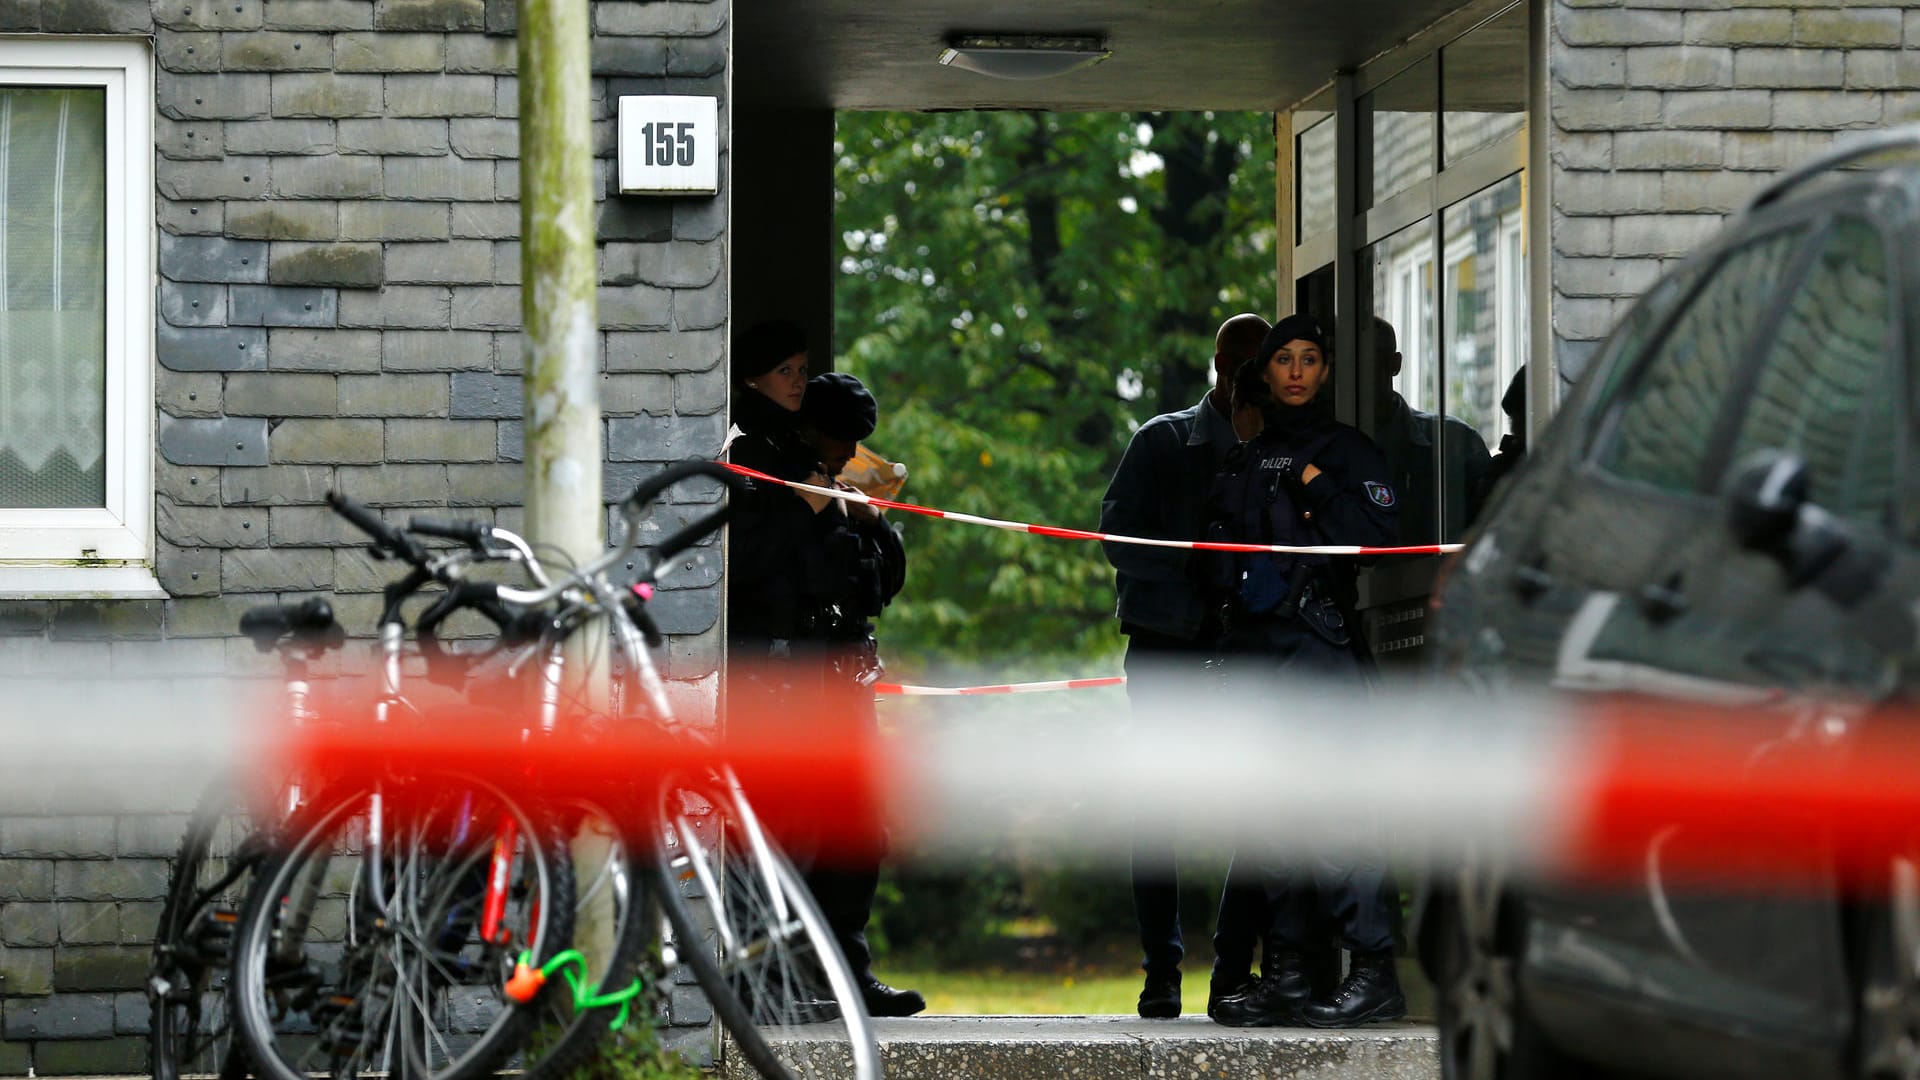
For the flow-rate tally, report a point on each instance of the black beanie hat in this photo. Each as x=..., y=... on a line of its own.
x=1296, y=327
x=764, y=345
x=838, y=405
x=1514, y=401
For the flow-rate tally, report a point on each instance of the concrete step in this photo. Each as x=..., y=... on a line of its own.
x=1116, y=1047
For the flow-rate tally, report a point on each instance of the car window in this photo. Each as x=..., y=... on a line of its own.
x=1664, y=423
x=1825, y=388
x=1621, y=355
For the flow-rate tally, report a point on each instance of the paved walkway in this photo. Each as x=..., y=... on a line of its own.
x=1115, y=1047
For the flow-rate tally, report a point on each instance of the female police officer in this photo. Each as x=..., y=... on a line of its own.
x=1305, y=479
x=806, y=579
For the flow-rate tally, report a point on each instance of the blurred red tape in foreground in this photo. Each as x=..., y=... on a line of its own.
x=1713, y=795
x=810, y=770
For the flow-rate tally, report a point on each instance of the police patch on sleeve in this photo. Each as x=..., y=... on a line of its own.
x=1381, y=494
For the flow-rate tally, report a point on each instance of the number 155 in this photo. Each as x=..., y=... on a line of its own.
x=668, y=144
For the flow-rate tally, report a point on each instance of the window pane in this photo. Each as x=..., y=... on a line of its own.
x=1666, y=418
x=1483, y=89
x=1826, y=390
x=1316, y=179
x=1486, y=301
x=1396, y=124
x=52, y=297
x=1398, y=287
x=1486, y=338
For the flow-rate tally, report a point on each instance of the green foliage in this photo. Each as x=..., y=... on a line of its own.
x=1088, y=903
x=951, y=911
x=1021, y=291
x=962, y=915
x=634, y=1053
x=1084, y=903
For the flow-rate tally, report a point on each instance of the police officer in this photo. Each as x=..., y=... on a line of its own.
x=1406, y=436
x=808, y=576
x=1160, y=491
x=1304, y=480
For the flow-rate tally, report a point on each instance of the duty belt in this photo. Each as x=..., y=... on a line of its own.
x=859, y=661
x=855, y=660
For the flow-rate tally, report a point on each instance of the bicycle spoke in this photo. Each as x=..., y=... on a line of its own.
x=420, y=996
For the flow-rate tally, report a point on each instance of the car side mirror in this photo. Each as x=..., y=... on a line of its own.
x=1769, y=488
x=1770, y=513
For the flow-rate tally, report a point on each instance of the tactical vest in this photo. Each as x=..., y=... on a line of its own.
x=1253, y=502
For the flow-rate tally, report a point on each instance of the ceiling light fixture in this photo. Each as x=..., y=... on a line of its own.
x=1023, y=56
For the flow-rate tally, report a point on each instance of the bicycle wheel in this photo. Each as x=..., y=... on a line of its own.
x=191, y=1031
x=362, y=947
x=771, y=969
x=611, y=927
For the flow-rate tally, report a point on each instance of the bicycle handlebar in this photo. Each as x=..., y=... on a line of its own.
x=470, y=533
x=497, y=602
x=384, y=535
x=630, y=507
x=687, y=535
x=463, y=594
x=635, y=603
x=309, y=622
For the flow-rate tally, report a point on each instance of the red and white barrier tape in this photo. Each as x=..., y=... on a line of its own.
x=910, y=690
x=1082, y=534
x=1590, y=787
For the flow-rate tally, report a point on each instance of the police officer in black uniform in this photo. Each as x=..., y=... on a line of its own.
x=1304, y=480
x=808, y=576
x=1160, y=491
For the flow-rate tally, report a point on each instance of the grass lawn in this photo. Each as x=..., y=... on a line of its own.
x=989, y=992
x=1083, y=992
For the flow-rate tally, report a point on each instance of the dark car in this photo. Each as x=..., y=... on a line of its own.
x=1724, y=511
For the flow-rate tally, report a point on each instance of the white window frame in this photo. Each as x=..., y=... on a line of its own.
x=106, y=552
x=1409, y=273
x=1512, y=334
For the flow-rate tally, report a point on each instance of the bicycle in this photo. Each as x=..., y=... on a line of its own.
x=380, y=934
x=710, y=863
x=191, y=1031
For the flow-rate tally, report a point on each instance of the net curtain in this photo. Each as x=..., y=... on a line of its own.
x=52, y=297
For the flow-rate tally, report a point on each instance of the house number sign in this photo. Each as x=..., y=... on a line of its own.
x=669, y=145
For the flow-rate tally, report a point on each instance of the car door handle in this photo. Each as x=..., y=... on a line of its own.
x=1664, y=602
x=1531, y=580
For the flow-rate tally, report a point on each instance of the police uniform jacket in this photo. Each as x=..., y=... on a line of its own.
x=1259, y=498
x=1160, y=491
x=797, y=575
x=1406, y=437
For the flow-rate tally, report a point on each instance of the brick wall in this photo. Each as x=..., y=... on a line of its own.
x=1669, y=114
x=339, y=305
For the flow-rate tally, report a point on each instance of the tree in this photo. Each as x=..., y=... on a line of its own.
x=1022, y=290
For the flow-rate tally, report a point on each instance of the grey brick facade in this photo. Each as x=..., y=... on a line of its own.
x=1665, y=120
x=338, y=306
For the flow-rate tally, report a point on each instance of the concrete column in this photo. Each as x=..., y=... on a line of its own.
x=1286, y=218
x=563, y=454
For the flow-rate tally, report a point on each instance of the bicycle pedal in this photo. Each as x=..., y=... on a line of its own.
x=212, y=937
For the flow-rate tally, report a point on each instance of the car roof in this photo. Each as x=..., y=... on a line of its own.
x=1851, y=172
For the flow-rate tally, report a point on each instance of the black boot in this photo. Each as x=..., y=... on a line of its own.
x=884, y=1000
x=1223, y=987
x=1160, y=997
x=1370, y=992
x=1273, y=999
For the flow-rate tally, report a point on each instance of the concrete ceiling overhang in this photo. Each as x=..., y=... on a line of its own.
x=1254, y=55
